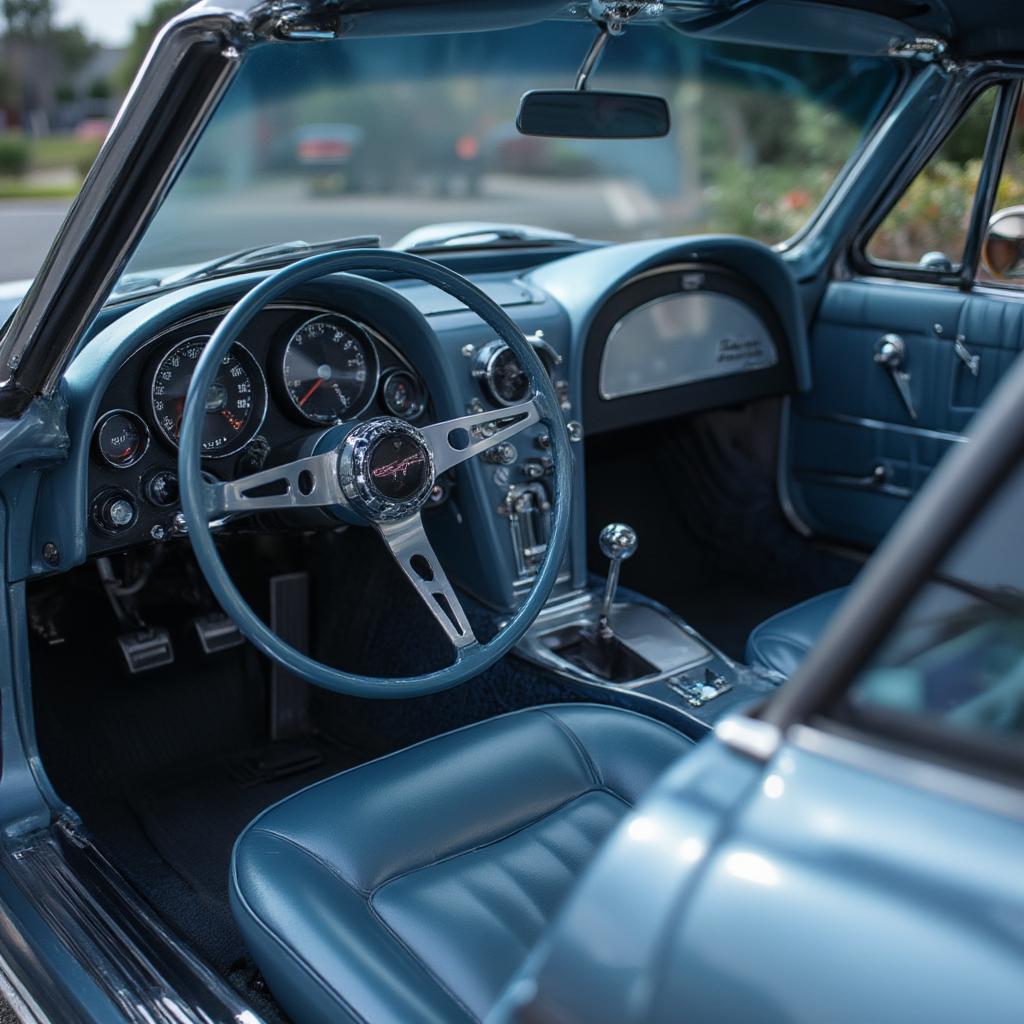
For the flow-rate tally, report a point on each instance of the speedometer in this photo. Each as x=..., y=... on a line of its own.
x=330, y=369
x=235, y=404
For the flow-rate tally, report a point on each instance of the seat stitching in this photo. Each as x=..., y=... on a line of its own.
x=419, y=960
x=326, y=865
x=303, y=965
x=500, y=838
x=588, y=761
x=373, y=910
x=378, y=916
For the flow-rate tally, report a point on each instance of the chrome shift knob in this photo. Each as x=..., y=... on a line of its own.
x=618, y=541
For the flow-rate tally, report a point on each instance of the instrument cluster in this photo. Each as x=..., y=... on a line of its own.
x=295, y=371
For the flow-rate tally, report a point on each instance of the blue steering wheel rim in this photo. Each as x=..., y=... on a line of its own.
x=470, y=661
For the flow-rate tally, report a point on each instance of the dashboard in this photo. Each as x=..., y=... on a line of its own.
x=630, y=334
x=296, y=370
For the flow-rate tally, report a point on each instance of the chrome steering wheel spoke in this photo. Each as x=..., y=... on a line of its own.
x=412, y=550
x=446, y=454
x=305, y=483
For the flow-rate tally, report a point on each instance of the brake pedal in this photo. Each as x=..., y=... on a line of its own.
x=146, y=649
x=217, y=633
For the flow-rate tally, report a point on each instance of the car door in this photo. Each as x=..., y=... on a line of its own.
x=907, y=344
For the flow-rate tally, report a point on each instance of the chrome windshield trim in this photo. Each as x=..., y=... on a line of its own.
x=186, y=73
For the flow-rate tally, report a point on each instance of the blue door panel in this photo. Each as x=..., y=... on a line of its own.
x=856, y=456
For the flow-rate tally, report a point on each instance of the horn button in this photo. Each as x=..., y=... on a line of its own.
x=386, y=469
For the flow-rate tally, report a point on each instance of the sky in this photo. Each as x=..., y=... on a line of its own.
x=107, y=21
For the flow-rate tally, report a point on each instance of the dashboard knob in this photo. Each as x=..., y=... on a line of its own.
x=115, y=511
x=162, y=488
x=503, y=454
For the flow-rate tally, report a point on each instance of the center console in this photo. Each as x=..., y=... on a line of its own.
x=609, y=639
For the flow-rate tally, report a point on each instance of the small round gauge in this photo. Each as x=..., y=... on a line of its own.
x=403, y=395
x=501, y=374
x=330, y=369
x=121, y=439
x=235, y=404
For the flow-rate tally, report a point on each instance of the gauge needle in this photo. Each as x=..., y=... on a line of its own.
x=312, y=391
x=236, y=422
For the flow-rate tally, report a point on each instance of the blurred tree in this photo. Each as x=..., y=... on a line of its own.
x=143, y=34
x=28, y=19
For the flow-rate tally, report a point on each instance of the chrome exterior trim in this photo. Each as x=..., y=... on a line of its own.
x=147, y=974
x=749, y=736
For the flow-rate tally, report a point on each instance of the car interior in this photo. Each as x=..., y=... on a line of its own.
x=353, y=655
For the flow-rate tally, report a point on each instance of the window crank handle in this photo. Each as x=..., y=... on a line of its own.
x=891, y=355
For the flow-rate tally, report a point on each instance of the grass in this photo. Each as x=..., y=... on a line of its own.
x=22, y=188
x=55, y=152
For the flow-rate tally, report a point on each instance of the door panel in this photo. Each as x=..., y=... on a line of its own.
x=856, y=456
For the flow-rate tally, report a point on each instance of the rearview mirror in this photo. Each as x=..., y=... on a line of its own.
x=1003, y=250
x=571, y=114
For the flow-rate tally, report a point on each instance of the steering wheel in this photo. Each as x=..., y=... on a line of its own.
x=377, y=473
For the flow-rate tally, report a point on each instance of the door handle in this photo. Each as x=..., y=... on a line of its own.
x=891, y=355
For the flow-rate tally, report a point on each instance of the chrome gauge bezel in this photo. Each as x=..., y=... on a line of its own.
x=371, y=385
x=484, y=372
x=386, y=379
x=144, y=433
x=259, y=382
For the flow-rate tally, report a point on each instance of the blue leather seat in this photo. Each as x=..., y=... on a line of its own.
x=780, y=643
x=411, y=889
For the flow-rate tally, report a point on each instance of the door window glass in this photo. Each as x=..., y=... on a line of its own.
x=927, y=228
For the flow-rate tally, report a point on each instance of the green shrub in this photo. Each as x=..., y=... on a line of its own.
x=87, y=158
x=14, y=155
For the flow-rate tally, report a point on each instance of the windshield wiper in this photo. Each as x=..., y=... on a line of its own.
x=267, y=255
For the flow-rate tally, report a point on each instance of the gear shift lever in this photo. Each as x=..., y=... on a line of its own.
x=618, y=542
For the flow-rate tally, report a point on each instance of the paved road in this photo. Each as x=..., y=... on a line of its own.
x=26, y=231
x=189, y=229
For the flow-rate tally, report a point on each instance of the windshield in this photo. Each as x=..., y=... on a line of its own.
x=384, y=136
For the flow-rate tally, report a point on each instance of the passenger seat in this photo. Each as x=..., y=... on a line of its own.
x=780, y=643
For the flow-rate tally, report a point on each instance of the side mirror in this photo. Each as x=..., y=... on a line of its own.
x=1003, y=250
x=572, y=114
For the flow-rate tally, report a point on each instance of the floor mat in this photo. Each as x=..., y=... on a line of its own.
x=192, y=819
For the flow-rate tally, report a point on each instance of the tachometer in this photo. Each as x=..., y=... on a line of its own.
x=235, y=404
x=330, y=369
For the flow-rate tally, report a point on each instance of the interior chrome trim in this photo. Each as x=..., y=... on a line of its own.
x=782, y=471
x=896, y=428
x=990, y=795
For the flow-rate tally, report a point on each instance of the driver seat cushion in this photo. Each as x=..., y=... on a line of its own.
x=413, y=887
x=782, y=642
